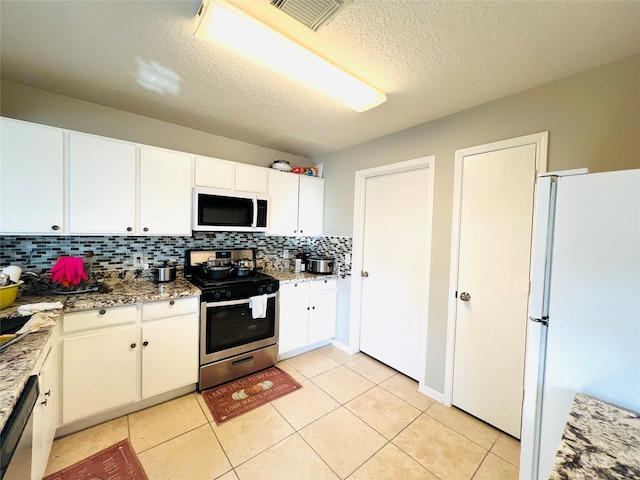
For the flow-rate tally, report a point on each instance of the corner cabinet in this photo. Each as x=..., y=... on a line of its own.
x=296, y=205
x=165, y=192
x=31, y=178
x=102, y=189
x=118, y=356
x=307, y=315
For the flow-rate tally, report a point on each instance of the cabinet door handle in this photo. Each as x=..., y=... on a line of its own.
x=102, y=312
x=44, y=403
x=172, y=302
x=47, y=393
x=133, y=345
x=145, y=343
x=55, y=227
x=313, y=308
x=145, y=229
x=129, y=229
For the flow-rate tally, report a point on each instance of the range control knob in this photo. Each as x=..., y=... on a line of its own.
x=260, y=289
x=227, y=293
x=270, y=288
x=216, y=295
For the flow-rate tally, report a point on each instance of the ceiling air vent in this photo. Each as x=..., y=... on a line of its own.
x=311, y=13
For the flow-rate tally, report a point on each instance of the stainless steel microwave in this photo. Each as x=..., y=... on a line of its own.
x=216, y=210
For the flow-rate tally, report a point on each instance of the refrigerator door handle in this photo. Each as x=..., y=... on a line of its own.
x=544, y=320
x=542, y=244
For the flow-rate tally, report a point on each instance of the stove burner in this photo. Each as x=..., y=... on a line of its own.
x=230, y=288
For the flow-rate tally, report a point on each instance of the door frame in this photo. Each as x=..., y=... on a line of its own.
x=541, y=140
x=361, y=177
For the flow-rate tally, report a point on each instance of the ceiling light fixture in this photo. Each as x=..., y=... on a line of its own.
x=228, y=26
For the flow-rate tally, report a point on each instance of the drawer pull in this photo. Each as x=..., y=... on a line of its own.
x=102, y=312
x=172, y=302
x=145, y=343
x=133, y=345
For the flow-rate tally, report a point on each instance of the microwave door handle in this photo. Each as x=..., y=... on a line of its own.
x=255, y=213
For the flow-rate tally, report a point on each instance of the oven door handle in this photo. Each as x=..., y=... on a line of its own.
x=234, y=302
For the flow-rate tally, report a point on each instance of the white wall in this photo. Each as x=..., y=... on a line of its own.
x=39, y=106
x=593, y=119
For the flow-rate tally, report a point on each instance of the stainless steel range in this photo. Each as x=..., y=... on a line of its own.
x=239, y=314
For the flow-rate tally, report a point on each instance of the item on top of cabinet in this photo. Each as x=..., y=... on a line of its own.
x=281, y=165
x=164, y=272
x=321, y=264
x=298, y=170
x=4, y=280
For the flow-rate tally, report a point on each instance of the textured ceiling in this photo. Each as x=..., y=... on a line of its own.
x=431, y=58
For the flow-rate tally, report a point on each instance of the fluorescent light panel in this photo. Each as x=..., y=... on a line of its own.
x=225, y=25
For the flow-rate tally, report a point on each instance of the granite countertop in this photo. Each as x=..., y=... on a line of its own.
x=122, y=293
x=600, y=441
x=285, y=276
x=18, y=360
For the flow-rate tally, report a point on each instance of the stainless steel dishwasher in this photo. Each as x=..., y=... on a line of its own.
x=16, y=437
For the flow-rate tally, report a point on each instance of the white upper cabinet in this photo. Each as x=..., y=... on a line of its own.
x=310, y=205
x=165, y=192
x=102, y=188
x=283, y=203
x=296, y=204
x=250, y=178
x=214, y=173
x=31, y=178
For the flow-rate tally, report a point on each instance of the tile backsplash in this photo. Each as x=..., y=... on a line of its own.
x=38, y=254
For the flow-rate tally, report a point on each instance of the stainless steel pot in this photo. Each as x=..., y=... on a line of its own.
x=244, y=267
x=217, y=272
x=165, y=272
x=320, y=264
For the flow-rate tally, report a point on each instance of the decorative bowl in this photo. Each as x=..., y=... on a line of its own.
x=8, y=294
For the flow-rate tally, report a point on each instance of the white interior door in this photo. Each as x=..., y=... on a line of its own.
x=493, y=284
x=397, y=218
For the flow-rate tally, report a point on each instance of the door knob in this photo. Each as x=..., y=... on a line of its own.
x=364, y=274
x=465, y=297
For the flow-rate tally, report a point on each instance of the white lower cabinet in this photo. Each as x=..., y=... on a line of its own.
x=169, y=345
x=118, y=356
x=307, y=314
x=99, y=371
x=45, y=413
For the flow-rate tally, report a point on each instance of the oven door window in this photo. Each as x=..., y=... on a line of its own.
x=230, y=326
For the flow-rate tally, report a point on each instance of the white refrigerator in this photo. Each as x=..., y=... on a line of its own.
x=583, y=334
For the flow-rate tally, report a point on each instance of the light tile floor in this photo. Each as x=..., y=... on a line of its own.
x=354, y=418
